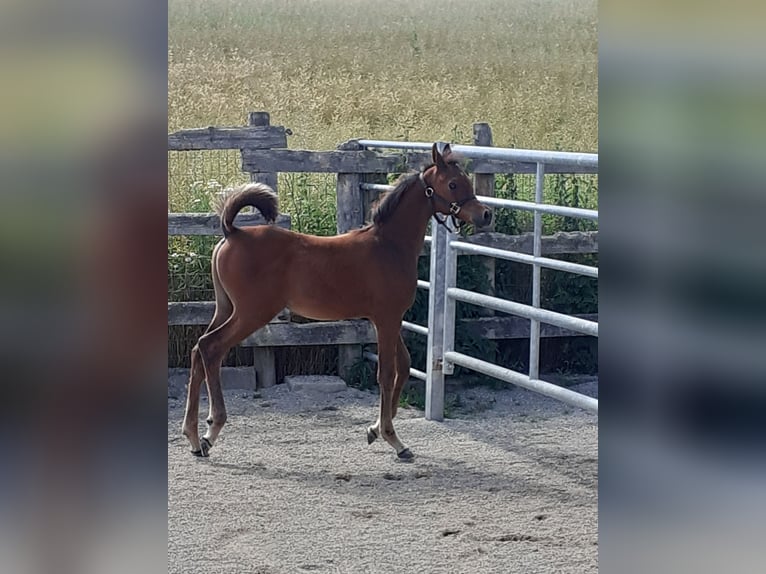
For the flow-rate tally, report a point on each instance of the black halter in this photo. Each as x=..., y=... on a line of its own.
x=454, y=206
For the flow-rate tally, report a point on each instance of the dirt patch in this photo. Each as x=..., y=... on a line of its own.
x=292, y=486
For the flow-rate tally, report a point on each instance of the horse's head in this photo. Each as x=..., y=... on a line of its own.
x=450, y=189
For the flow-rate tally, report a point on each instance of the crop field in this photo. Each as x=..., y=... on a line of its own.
x=332, y=70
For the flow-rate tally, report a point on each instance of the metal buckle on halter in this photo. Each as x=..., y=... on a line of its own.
x=454, y=208
x=429, y=191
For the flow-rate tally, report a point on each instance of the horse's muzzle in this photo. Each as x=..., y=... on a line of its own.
x=483, y=218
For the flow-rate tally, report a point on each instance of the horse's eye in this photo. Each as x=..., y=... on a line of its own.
x=452, y=185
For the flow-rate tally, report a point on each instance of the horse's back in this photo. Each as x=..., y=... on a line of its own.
x=335, y=277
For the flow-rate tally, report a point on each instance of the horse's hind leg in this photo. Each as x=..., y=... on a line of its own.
x=223, y=310
x=213, y=346
x=190, y=427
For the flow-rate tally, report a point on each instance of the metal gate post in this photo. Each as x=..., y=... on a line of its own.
x=436, y=314
x=450, y=280
x=534, y=324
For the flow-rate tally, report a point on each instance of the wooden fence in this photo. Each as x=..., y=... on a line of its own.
x=264, y=152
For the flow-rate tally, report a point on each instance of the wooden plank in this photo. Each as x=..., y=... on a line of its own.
x=228, y=138
x=355, y=332
x=210, y=223
x=367, y=161
x=201, y=313
x=360, y=161
x=562, y=242
x=496, y=328
x=190, y=312
x=351, y=332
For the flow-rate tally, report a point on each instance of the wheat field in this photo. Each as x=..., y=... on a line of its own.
x=332, y=70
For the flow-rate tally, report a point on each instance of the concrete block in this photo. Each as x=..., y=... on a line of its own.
x=231, y=378
x=315, y=383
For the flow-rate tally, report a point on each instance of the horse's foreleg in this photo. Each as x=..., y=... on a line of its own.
x=388, y=338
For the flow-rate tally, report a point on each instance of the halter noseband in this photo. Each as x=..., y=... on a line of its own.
x=454, y=206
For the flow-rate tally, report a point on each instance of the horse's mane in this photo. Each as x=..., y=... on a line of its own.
x=389, y=201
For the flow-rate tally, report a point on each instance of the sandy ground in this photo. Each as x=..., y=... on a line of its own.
x=509, y=485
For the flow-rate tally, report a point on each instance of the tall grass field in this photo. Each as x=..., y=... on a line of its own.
x=333, y=70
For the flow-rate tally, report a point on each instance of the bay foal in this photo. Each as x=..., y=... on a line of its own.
x=366, y=273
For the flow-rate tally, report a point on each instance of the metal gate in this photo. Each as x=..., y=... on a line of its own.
x=443, y=291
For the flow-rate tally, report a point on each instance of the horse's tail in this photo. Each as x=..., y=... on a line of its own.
x=258, y=195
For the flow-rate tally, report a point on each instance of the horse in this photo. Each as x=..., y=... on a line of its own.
x=369, y=273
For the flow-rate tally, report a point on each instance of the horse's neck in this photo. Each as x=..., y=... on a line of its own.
x=406, y=227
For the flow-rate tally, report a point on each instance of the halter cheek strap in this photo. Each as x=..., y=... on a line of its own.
x=454, y=206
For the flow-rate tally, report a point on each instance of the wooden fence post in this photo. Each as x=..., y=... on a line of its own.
x=261, y=119
x=350, y=215
x=349, y=208
x=264, y=362
x=484, y=184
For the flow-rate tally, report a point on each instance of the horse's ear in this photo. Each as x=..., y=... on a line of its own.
x=437, y=153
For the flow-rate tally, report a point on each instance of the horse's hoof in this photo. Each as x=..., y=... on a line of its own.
x=205, y=446
x=371, y=436
x=197, y=452
x=405, y=455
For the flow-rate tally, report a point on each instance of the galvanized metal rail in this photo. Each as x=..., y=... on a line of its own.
x=562, y=158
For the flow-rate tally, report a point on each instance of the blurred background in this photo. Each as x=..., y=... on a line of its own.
x=683, y=291
x=82, y=335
